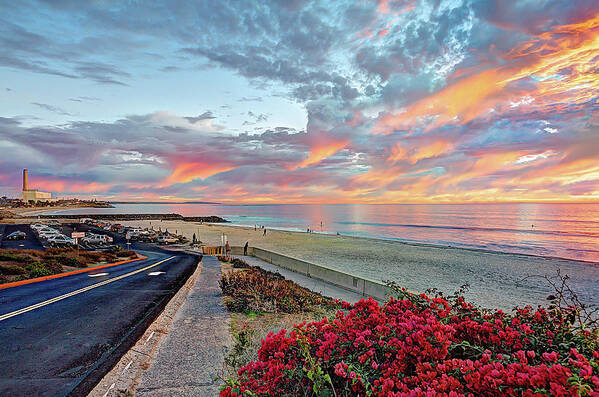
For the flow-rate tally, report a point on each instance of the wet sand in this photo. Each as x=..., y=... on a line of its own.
x=496, y=279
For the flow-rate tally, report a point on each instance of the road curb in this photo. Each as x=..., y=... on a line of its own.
x=59, y=275
x=127, y=371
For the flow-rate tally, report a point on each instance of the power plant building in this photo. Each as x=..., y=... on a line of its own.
x=34, y=194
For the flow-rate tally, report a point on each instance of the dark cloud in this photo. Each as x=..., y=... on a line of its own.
x=84, y=99
x=207, y=115
x=534, y=17
x=51, y=108
x=250, y=99
x=9, y=121
x=101, y=73
x=256, y=118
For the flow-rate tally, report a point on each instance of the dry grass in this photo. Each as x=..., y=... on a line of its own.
x=248, y=328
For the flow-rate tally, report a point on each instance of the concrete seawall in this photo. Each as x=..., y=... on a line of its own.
x=351, y=282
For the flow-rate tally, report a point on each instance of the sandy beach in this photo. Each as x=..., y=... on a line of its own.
x=496, y=279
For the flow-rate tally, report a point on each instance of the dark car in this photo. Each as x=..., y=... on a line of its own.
x=17, y=236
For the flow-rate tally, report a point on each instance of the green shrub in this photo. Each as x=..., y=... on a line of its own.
x=125, y=254
x=11, y=269
x=53, y=266
x=239, y=264
x=259, y=290
x=37, y=269
x=65, y=260
x=7, y=256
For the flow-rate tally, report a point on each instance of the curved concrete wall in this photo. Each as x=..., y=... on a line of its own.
x=354, y=283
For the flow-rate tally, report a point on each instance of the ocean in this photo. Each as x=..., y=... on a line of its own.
x=555, y=230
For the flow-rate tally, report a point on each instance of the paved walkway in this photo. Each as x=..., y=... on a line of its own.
x=312, y=284
x=191, y=354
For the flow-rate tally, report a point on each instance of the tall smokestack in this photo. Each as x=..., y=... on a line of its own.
x=25, y=181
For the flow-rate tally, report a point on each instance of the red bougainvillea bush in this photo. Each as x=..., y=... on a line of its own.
x=424, y=346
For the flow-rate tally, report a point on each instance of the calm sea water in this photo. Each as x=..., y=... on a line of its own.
x=560, y=230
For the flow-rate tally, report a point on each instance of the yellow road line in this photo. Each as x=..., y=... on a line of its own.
x=79, y=291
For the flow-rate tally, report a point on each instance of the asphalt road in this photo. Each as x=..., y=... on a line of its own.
x=65, y=346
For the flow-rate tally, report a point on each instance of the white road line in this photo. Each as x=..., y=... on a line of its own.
x=127, y=367
x=108, y=391
x=149, y=337
x=156, y=273
x=79, y=291
x=98, y=274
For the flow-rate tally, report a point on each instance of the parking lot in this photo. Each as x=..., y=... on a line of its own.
x=31, y=241
x=98, y=235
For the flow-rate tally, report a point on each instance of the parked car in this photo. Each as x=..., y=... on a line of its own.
x=117, y=228
x=60, y=240
x=96, y=239
x=47, y=234
x=18, y=235
x=131, y=235
x=167, y=240
x=40, y=226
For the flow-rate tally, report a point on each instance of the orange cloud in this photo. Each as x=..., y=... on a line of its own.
x=322, y=150
x=187, y=172
x=463, y=99
x=563, y=62
x=65, y=185
x=419, y=152
x=566, y=62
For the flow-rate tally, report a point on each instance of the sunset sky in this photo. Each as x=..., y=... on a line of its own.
x=302, y=101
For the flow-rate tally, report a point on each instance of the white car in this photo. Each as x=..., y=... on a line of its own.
x=60, y=239
x=39, y=227
x=47, y=234
x=96, y=239
x=167, y=240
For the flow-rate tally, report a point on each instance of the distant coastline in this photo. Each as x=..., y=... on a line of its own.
x=165, y=202
x=138, y=217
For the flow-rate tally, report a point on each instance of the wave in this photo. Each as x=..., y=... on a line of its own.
x=476, y=228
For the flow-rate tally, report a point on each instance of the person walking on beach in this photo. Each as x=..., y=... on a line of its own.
x=227, y=249
x=245, y=248
x=264, y=233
